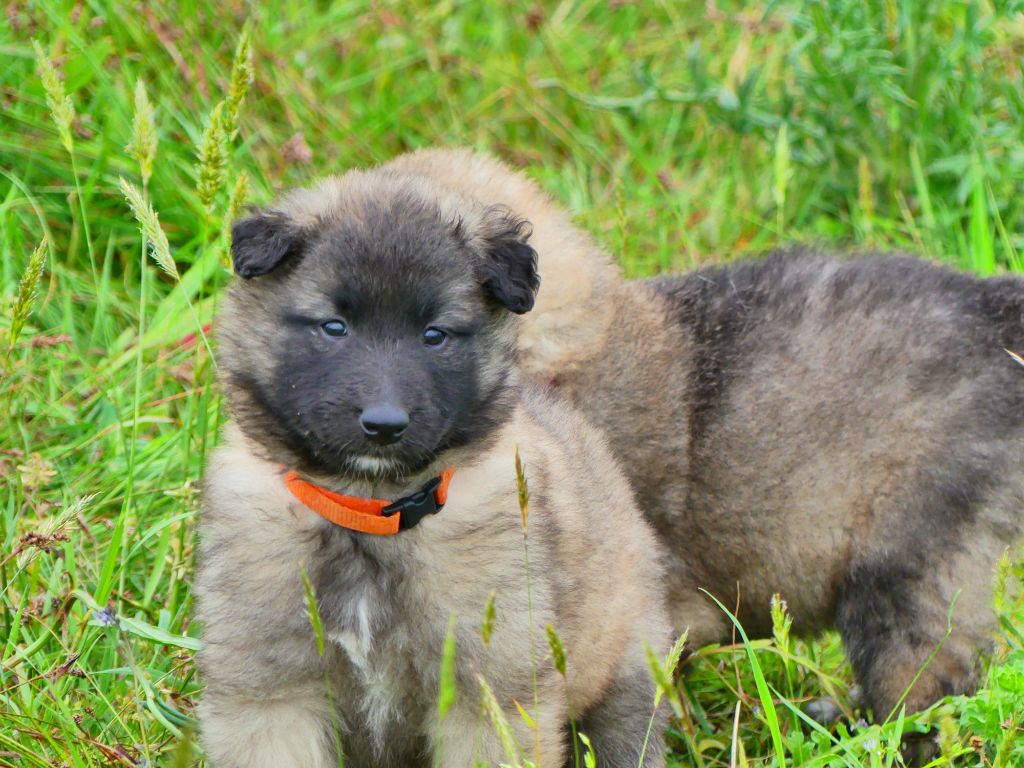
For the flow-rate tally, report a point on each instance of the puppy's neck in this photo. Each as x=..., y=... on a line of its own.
x=376, y=486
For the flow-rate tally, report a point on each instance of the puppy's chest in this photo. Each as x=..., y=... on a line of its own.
x=385, y=605
x=384, y=651
x=381, y=697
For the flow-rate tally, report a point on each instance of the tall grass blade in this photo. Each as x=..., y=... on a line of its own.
x=763, y=691
x=983, y=258
x=782, y=174
x=446, y=676
x=589, y=757
x=317, y=623
x=313, y=611
x=898, y=706
x=866, y=198
x=523, y=492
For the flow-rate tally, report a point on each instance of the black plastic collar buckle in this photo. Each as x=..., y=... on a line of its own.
x=415, y=507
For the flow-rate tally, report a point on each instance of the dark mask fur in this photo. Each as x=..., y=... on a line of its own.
x=389, y=265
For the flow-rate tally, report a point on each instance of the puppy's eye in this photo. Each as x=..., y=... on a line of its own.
x=334, y=328
x=434, y=337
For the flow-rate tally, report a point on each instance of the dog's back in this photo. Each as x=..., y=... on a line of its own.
x=866, y=419
x=813, y=366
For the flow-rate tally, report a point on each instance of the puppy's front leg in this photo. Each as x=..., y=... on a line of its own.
x=617, y=726
x=464, y=740
x=267, y=733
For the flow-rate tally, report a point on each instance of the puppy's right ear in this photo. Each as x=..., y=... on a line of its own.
x=509, y=265
x=260, y=242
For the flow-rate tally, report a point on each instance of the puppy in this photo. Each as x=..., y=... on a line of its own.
x=368, y=356
x=845, y=432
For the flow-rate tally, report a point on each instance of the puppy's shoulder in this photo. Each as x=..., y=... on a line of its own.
x=579, y=459
x=582, y=491
x=543, y=409
x=551, y=438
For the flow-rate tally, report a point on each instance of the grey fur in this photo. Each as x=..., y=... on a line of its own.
x=852, y=440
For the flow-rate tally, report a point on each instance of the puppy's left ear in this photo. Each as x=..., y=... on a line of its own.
x=508, y=267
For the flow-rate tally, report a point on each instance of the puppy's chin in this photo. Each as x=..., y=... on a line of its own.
x=378, y=467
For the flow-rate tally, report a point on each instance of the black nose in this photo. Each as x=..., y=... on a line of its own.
x=383, y=424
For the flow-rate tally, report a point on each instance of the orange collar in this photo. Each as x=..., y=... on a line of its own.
x=376, y=516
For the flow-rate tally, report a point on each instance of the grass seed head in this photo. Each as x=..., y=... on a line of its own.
x=781, y=621
x=27, y=290
x=661, y=673
x=55, y=531
x=500, y=723
x=948, y=737
x=61, y=107
x=213, y=158
x=239, y=194
x=676, y=652
x=241, y=78
x=1000, y=589
x=142, y=147
x=524, y=491
x=149, y=223
x=557, y=650
x=487, y=626
x=236, y=201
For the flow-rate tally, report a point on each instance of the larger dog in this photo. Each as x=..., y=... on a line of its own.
x=367, y=353
x=846, y=433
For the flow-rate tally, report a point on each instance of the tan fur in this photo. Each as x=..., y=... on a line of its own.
x=592, y=578
x=595, y=568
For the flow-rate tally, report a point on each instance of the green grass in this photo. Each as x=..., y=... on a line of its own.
x=679, y=133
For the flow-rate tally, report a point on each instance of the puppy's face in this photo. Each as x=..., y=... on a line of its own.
x=366, y=342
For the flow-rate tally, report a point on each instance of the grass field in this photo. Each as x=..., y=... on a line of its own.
x=679, y=133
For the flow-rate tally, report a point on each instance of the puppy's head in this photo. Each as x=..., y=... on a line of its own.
x=373, y=326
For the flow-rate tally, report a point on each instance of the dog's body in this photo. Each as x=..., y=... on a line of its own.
x=328, y=332
x=846, y=433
